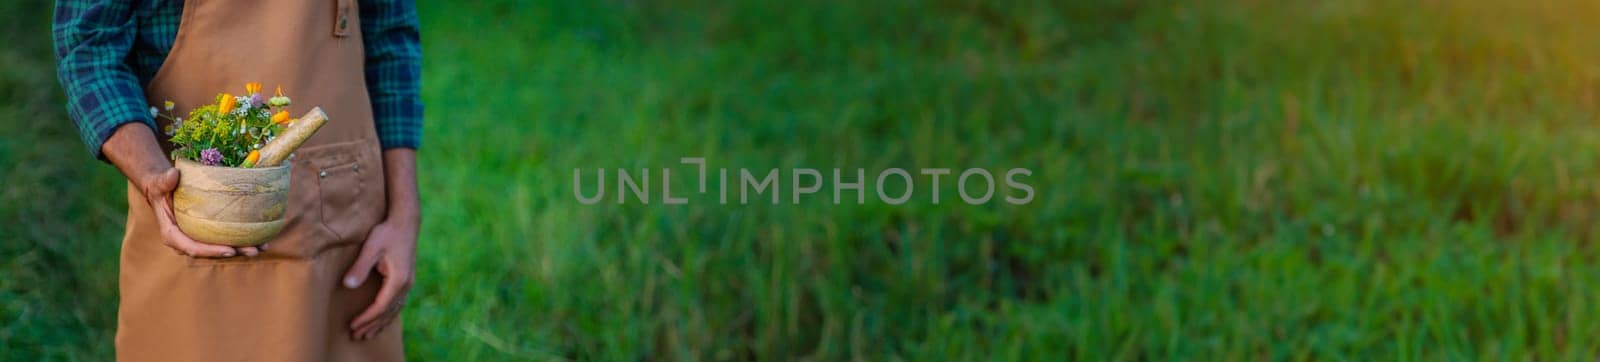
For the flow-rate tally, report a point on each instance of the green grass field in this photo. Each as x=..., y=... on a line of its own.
x=1215, y=180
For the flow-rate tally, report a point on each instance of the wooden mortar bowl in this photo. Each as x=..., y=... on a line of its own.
x=230, y=205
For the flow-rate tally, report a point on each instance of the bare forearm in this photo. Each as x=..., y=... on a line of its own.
x=135, y=152
x=400, y=178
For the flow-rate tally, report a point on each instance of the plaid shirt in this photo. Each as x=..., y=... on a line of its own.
x=108, y=50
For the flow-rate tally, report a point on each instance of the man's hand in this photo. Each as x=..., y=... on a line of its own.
x=133, y=149
x=391, y=247
x=159, y=193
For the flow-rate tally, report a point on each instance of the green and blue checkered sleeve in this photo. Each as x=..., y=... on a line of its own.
x=92, y=40
x=394, y=70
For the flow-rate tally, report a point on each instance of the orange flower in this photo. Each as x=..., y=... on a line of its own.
x=281, y=118
x=250, y=160
x=252, y=88
x=225, y=103
x=280, y=91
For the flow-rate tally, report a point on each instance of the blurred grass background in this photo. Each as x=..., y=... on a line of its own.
x=1215, y=180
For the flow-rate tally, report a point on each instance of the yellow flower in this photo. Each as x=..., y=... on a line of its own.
x=281, y=118
x=250, y=160
x=169, y=105
x=280, y=91
x=252, y=88
x=225, y=103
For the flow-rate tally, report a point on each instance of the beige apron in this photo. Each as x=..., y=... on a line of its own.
x=287, y=304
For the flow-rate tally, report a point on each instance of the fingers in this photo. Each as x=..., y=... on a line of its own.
x=389, y=300
x=363, y=266
x=371, y=330
x=253, y=251
x=197, y=249
x=181, y=243
x=176, y=240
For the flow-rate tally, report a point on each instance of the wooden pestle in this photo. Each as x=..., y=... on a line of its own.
x=297, y=133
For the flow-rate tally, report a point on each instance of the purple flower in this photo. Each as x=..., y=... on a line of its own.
x=211, y=157
x=255, y=100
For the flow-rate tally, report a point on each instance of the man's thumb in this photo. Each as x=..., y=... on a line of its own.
x=359, y=271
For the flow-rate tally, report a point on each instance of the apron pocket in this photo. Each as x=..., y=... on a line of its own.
x=348, y=203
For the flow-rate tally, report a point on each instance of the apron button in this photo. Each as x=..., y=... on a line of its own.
x=323, y=174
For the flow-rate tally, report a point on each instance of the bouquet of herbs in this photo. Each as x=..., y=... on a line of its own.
x=229, y=132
